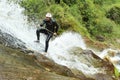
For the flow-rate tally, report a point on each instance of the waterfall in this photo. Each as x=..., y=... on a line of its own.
x=14, y=22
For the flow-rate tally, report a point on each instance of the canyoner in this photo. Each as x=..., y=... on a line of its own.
x=50, y=30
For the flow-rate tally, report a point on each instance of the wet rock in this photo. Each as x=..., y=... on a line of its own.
x=80, y=75
x=54, y=67
x=51, y=66
x=10, y=41
x=103, y=77
x=91, y=59
x=15, y=65
x=26, y=51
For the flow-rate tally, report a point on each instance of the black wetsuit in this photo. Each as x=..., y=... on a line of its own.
x=50, y=28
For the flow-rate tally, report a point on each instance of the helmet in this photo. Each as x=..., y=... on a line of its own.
x=49, y=15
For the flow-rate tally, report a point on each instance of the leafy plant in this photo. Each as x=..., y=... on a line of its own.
x=114, y=14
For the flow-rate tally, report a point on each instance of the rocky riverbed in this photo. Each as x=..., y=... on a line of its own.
x=15, y=65
x=18, y=63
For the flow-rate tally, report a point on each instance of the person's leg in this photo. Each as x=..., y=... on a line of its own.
x=38, y=34
x=47, y=42
x=38, y=31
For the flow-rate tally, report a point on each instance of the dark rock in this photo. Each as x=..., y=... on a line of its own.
x=10, y=41
x=100, y=38
x=27, y=51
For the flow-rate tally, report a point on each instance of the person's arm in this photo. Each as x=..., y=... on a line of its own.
x=42, y=24
x=56, y=27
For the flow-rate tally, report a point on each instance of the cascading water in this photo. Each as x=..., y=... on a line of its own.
x=113, y=56
x=13, y=22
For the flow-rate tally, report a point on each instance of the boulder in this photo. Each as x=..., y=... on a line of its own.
x=51, y=66
x=88, y=57
x=15, y=65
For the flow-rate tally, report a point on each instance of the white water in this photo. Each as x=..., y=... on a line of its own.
x=12, y=21
x=113, y=56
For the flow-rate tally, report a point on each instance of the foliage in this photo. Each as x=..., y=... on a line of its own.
x=116, y=72
x=101, y=28
x=70, y=2
x=99, y=2
x=114, y=14
x=88, y=17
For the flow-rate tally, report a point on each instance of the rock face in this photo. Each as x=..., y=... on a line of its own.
x=15, y=65
x=8, y=40
x=54, y=67
x=91, y=59
x=96, y=61
x=103, y=77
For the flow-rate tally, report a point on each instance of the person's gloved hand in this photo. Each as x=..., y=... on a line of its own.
x=55, y=34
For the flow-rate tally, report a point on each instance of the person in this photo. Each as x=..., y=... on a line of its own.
x=51, y=28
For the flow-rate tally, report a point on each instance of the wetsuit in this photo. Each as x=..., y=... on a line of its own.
x=50, y=28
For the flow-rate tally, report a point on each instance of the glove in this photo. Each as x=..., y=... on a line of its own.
x=55, y=34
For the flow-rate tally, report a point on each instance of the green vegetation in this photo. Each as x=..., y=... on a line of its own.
x=91, y=18
x=116, y=72
x=114, y=14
